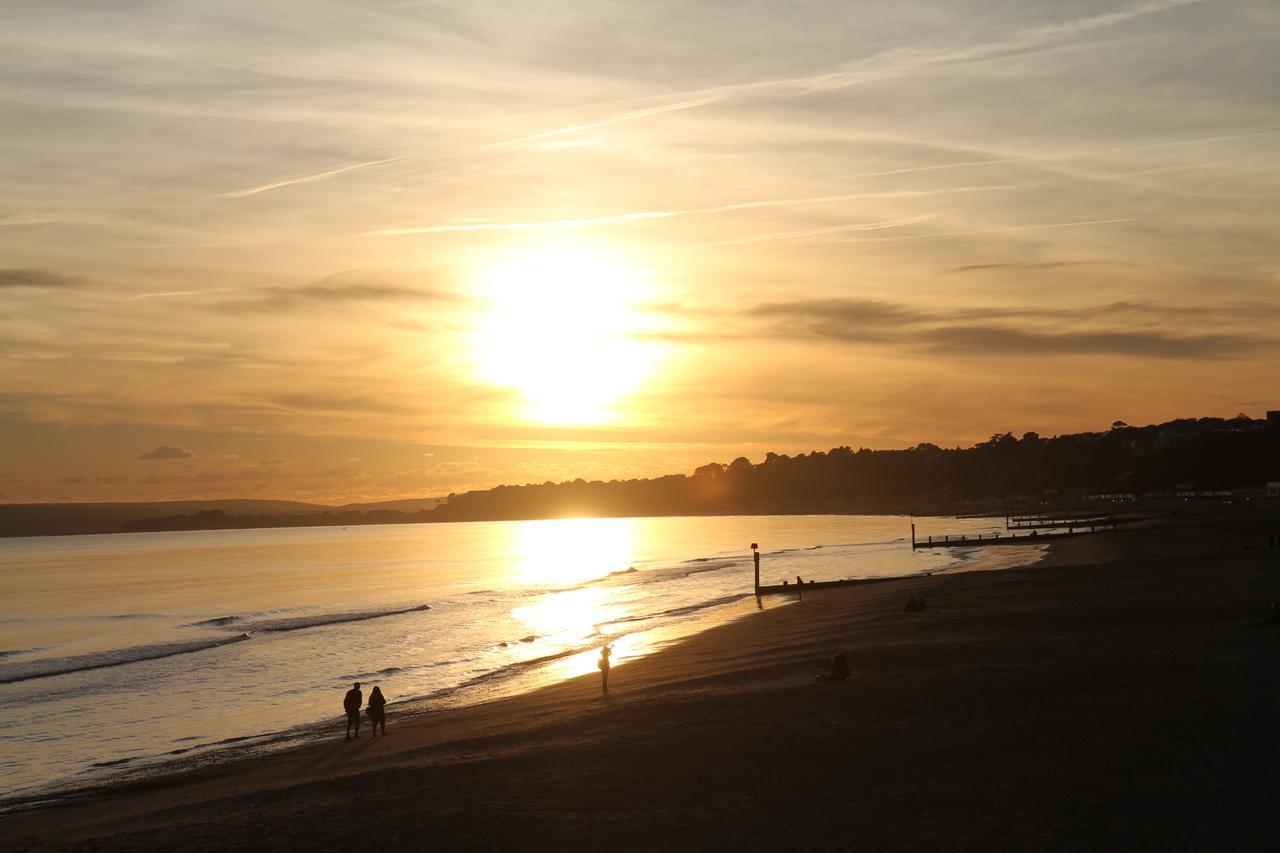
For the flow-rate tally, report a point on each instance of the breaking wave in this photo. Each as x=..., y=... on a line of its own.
x=297, y=623
x=116, y=657
x=680, y=611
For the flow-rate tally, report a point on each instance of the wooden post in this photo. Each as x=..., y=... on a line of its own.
x=755, y=554
x=913, y=536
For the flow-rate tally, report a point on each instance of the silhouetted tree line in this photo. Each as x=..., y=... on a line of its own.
x=1201, y=454
x=1205, y=453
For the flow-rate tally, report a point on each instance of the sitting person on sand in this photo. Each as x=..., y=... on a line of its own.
x=839, y=669
x=351, y=704
x=377, y=711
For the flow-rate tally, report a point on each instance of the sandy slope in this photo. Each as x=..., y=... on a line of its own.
x=1116, y=697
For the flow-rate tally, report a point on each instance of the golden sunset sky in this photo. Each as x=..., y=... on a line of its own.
x=364, y=250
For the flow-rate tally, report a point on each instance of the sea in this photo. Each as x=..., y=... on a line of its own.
x=124, y=653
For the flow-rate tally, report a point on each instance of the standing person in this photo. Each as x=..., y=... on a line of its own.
x=604, y=669
x=377, y=710
x=351, y=704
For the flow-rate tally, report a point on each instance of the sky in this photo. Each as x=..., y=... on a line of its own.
x=342, y=251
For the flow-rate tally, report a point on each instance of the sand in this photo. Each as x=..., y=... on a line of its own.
x=1116, y=696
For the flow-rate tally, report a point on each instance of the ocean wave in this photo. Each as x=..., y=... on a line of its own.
x=685, y=569
x=116, y=763
x=297, y=623
x=679, y=611
x=115, y=657
x=713, y=567
x=8, y=653
x=870, y=544
x=398, y=670
x=218, y=622
x=521, y=665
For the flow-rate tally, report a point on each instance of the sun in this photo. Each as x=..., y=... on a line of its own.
x=561, y=326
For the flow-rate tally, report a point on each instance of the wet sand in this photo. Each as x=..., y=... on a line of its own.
x=1114, y=697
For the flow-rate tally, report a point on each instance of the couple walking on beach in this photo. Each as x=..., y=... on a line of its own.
x=377, y=710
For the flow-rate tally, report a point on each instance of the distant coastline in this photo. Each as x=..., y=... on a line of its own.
x=1204, y=459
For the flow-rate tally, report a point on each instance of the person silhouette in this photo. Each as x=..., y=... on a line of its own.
x=377, y=710
x=604, y=670
x=351, y=704
x=839, y=669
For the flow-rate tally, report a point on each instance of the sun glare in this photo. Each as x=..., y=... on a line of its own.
x=565, y=551
x=560, y=328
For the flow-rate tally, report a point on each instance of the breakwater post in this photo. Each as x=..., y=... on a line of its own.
x=755, y=554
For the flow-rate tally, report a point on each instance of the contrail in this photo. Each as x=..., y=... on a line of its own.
x=635, y=216
x=1064, y=155
x=169, y=294
x=605, y=122
x=307, y=179
x=887, y=64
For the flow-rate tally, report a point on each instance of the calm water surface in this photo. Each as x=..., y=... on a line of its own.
x=122, y=650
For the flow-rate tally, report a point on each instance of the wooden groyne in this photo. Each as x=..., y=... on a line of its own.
x=966, y=541
x=802, y=588
x=1049, y=524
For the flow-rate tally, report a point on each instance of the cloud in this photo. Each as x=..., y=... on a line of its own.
x=1025, y=266
x=34, y=278
x=111, y=479
x=1000, y=230
x=330, y=292
x=820, y=232
x=860, y=311
x=322, y=402
x=204, y=477
x=71, y=480
x=1005, y=341
x=341, y=472
x=978, y=330
x=164, y=451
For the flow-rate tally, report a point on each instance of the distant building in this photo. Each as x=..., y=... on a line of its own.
x=1273, y=416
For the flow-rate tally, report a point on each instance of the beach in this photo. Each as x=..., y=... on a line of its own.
x=1118, y=695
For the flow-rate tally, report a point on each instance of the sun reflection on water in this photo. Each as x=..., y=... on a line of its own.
x=585, y=562
x=564, y=616
x=566, y=551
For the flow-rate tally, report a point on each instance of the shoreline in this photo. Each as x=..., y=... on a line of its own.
x=513, y=679
x=758, y=661
x=158, y=770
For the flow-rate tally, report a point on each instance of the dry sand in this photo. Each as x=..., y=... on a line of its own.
x=1114, y=697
